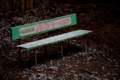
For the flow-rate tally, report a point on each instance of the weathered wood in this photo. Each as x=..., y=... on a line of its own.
x=22, y=5
x=37, y=4
x=2, y=6
x=14, y=4
x=31, y=4
x=7, y=5
x=27, y=4
x=1, y=10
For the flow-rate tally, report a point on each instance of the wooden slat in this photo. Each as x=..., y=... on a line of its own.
x=54, y=39
x=43, y=26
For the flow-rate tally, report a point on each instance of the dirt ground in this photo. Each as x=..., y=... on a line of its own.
x=98, y=59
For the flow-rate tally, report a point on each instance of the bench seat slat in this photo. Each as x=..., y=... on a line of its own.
x=54, y=39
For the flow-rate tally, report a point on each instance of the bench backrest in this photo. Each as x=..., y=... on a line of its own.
x=43, y=26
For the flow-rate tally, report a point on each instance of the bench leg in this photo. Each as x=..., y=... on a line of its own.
x=45, y=50
x=68, y=42
x=20, y=50
x=61, y=50
x=20, y=54
x=46, y=46
x=85, y=45
x=35, y=59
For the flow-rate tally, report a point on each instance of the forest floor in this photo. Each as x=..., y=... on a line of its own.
x=97, y=60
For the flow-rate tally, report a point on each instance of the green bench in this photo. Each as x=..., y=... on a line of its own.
x=46, y=26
